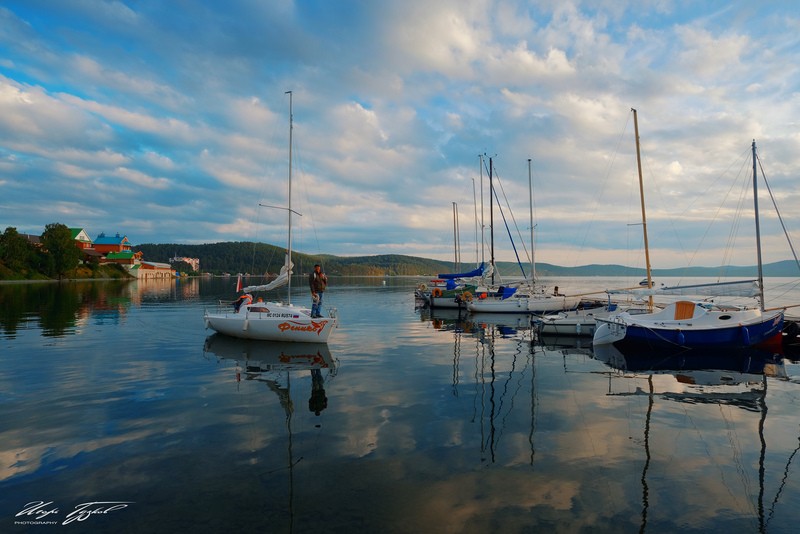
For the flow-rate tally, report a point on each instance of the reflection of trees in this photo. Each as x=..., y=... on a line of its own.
x=59, y=311
x=12, y=309
x=57, y=307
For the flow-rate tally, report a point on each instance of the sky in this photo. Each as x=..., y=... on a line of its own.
x=168, y=122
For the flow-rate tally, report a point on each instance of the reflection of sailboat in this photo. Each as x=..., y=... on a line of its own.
x=261, y=357
x=274, y=364
x=736, y=379
x=507, y=324
x=683, y=363
x=446, y=318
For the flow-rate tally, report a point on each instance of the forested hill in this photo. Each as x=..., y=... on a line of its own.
x=259, y=258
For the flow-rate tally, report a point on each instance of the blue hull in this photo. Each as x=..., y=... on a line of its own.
x=734, y=337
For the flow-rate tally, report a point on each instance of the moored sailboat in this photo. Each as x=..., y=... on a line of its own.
x=525, y=296
x=696, y=323
x=274, y=321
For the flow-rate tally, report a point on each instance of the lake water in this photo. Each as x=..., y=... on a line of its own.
x=114, y=400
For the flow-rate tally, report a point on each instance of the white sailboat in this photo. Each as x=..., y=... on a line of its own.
x=525, y=296
x=275, y=321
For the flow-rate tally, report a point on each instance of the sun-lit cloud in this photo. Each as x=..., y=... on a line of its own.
x=393, y=103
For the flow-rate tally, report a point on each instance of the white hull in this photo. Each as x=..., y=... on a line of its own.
x=272, y=321
x=608, y=333
x=524, y=304
x=579, y=322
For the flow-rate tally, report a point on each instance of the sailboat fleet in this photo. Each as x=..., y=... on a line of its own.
x=625, y=324
x=634, y=323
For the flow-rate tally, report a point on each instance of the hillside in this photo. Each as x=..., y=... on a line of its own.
x=248, y=257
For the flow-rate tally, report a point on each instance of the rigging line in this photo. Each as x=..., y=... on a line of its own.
x=578, y=404
x=712, y=459
x=520, y=344
x=534, y=400
x=516, y=227
x=507, y=381
x=775, y=204
x=513, y=396
x=508, y=230
x=744, y=160
x=735, y=226
x=736, y=451
x=783, y=483
x=590, y=228
x=301, y=174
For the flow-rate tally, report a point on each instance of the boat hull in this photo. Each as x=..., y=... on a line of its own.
x=625, y=334
x=581, y=322
x=516, y=304
x=272, y=322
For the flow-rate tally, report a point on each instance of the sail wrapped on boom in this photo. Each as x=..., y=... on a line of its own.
x=471, y=274
x=280, y=281
x=741, y=288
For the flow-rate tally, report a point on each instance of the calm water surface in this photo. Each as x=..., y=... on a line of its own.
x=409, y=421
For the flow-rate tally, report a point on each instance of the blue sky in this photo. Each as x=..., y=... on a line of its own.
x=168, y=122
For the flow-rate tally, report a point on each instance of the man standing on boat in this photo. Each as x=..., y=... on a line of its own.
x=318, y=282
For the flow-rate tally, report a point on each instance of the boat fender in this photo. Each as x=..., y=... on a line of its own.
x=436, y=292
x=246, y=323
x=681, y=338
x=483, y=295
x=746, y=336
x=578, y=328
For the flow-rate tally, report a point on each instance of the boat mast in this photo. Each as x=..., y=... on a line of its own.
x=483, y=225
x=644, y=216
x=289, y=245
x=456, y=244
x=530, y=194
x=491, y=219
x=475, y=209
x=758, y=228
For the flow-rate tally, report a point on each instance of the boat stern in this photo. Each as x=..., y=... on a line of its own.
x=608, y=331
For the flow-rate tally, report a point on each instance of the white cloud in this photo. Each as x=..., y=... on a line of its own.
x=393, y=102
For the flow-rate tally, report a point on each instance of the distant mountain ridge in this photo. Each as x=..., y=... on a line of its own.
x=244, y=256
x=776, y=269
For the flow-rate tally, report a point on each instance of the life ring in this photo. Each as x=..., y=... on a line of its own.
x=436, y=292
x=466, y=295
x=423, y=287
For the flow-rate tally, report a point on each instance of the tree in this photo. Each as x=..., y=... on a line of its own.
x=64, y=255
x=15, y=251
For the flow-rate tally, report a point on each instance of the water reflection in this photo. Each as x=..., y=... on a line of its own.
x=493, y=364
x=60, y=309
x=271, y=363
x=506, y=325
x=733, y=379
x=275, y=364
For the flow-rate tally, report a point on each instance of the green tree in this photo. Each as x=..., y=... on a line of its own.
x=64, y=255
x=15, y=251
